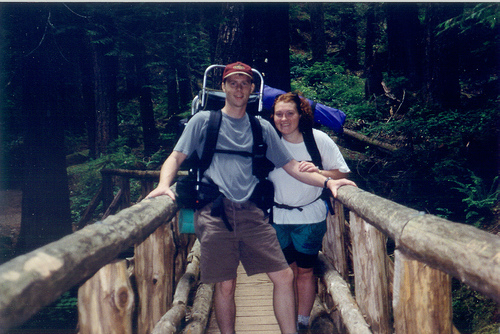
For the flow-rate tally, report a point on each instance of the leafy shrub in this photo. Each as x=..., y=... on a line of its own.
x=480, y=199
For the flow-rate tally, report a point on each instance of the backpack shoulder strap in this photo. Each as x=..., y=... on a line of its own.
x=212, y=135
x=258, y=139
x=260, y=165
x=312, y=148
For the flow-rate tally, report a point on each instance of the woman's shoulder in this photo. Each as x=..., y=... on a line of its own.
x=318, y=134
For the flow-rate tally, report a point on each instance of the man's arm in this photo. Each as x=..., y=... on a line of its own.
x=167, y=174
x=315, y=179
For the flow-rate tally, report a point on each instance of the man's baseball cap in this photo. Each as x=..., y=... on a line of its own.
x=237, y=68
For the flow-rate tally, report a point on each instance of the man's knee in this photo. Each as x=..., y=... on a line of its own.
x=226, y=288
x=282, y=277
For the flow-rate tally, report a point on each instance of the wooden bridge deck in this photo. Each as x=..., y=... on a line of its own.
x=254, y=306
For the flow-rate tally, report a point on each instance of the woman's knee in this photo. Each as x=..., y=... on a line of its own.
x=305, y=272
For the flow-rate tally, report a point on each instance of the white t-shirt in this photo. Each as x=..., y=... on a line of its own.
x=292, y=192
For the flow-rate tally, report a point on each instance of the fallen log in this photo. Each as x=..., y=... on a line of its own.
x=337, y=288
x=200, y=313
x=320, y=319
x=370, y=141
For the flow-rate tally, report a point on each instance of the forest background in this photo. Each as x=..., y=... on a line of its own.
x=86, y=86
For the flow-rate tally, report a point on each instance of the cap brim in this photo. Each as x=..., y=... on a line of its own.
x=248, y=75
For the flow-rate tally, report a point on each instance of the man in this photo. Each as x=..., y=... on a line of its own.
x=252, y=239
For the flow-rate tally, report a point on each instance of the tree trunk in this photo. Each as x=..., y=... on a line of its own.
x=318, y=41
x=267, y=35
x=350, y=37
x=403, y=40
x=88, y=98
x=373, y=69
x=230, y=39
x=46, y=213
x=442, y=57
x=105, y=69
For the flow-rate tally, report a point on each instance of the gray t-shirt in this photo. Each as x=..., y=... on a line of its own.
x=232, y=172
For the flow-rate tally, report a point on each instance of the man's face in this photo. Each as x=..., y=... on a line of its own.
x=238, y=88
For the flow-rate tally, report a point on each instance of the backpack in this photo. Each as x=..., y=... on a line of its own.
x=192, y=193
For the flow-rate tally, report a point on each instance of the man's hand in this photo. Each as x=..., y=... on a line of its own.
x=159, y=191
x=334, y=185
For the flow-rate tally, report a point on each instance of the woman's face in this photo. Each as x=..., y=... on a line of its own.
x=286, y=117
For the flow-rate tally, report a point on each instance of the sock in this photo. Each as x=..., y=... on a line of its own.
x=303, y=319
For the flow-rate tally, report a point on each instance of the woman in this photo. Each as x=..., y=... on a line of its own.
x=299, y=212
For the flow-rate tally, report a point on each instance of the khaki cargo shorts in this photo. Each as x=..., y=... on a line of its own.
x=253, y=242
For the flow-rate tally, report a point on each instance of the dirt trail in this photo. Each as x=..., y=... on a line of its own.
x=10, y=214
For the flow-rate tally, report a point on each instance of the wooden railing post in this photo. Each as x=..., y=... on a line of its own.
x=334, y=241
x=107, y=189
x=422, y=298
x=125, y=187
x=106, y=301
x=146, y=187
x=154, y=272
x=370, y=273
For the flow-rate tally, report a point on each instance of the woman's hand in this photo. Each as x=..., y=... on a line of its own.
x=334, y=185
x=309, y=167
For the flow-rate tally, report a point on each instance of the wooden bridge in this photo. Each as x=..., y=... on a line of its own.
x=364, y=287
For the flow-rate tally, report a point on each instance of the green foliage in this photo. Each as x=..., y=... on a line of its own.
x=85, y=179
x=327, y=83
x=481, y=14
x=479, y=198
x=61, y=314
x=473, y=312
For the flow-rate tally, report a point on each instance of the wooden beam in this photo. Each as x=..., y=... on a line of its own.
x=200, y=313
x=154, y=274
x=170, y=322
x=334, y=239
x=370, y=274
x=422, y=298
x=94, y=203
x=106, y=301
x=338, y=289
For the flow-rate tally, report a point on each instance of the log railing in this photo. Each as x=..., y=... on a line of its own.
x=409, y=293
x=90, y=258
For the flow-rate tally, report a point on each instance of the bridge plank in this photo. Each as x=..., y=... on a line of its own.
x=254, y=306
